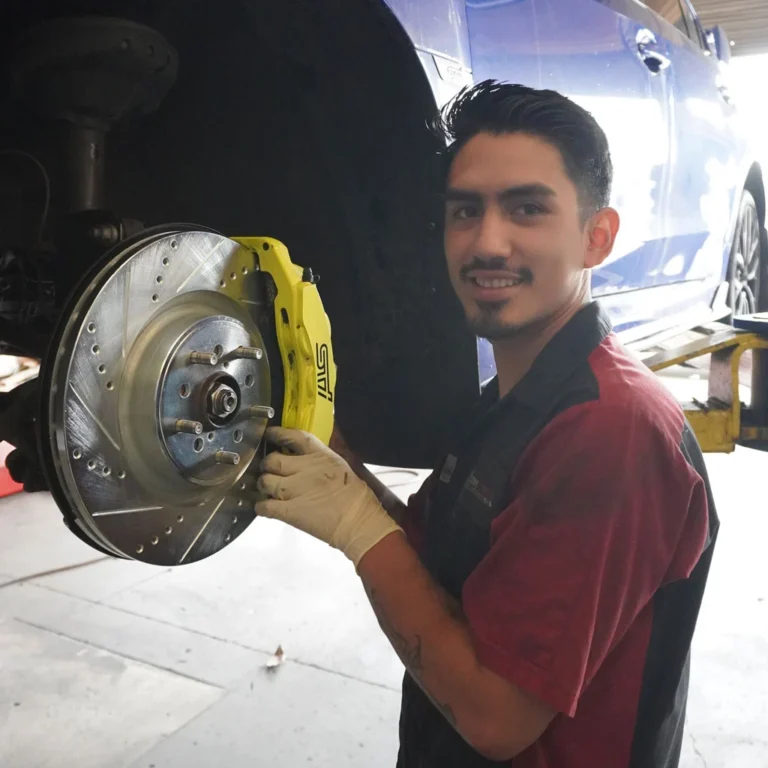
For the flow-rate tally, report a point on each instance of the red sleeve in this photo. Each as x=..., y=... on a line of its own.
x=415, y=516
x=606, y=510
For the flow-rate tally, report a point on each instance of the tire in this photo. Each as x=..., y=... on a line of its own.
x=748, y=287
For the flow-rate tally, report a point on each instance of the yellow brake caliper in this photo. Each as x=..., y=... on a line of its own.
x=304, y=338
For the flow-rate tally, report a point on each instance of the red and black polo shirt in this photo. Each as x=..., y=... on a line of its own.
x=573, y=520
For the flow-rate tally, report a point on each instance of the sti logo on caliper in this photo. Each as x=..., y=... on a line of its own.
x=323, y=373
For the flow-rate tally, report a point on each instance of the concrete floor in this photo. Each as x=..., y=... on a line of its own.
x=116, y=665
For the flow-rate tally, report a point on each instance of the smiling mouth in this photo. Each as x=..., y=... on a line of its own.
x=496, y=282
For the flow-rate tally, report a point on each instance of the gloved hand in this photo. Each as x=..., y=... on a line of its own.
x=313, y=489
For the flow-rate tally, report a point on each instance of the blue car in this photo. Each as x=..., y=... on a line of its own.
x=692, y=244
x=307, y=121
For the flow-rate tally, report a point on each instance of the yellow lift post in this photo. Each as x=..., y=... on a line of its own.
x=723, y=421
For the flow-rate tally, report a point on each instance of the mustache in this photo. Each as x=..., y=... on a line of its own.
x=496, y=263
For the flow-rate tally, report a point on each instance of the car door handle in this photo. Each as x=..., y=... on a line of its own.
x=650, y=55
x=725, y=93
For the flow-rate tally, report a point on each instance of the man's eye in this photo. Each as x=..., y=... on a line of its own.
x=465, y=212
x=528, y=209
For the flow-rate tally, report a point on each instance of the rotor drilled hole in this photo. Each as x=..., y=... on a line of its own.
x=77, y=454
x=249, y=380
x=211, y=435
x=228, y=537
x=95, y=349
x=155, y=298
x=198, y=445
x=238, y=436
x=102, y=369
x=121, y=474
x=168, y=530
x=234, y=519
x=139, y=549
x=159, y=279
x=92, y=464
x=184, y=390
x=166, y=262
x=242, y=486
x=106, y=471
x=221, y=283
x=91, y=328
x=245, y=270
x=154, y=540
x=174, y=245
x=233, y=276
x=180, y=519
x=110, y=385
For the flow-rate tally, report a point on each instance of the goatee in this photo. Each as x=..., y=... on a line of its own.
x=488, y=324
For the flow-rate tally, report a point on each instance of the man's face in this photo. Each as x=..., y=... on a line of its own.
x=515, y=239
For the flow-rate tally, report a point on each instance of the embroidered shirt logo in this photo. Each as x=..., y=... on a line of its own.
x=478, y=490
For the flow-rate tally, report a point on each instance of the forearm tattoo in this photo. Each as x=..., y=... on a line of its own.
x=409, y=652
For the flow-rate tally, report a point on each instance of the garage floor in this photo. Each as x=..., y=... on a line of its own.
x=112, y=664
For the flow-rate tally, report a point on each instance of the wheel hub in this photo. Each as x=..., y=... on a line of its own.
x=222, y=401
x=159, y=396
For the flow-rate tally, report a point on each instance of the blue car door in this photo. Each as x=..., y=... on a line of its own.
x=706, y=163
x=605, y=55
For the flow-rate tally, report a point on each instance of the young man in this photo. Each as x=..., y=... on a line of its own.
x=544, y=598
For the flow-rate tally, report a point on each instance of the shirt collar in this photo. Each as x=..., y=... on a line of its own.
x=556, y=363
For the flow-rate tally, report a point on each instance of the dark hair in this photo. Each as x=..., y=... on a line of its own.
x=500, y=108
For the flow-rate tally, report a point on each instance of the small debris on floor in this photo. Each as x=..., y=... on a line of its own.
x=273, y=662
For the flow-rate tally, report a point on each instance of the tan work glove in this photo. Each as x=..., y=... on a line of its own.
x=315, y=490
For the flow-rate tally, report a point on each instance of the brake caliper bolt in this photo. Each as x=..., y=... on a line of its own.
x=247, y=353
x=190, y=427
x=203, y=358
x=227, y=457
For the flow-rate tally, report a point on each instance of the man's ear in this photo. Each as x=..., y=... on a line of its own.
x=601, y=231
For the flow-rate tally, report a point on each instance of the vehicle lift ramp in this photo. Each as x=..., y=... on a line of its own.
x=723, y=421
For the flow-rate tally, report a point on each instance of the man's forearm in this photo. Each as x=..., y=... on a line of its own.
x=430, y=635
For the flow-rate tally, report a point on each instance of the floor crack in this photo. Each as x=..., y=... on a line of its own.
x=120, y=654
x=696, y=750
x=54, y=571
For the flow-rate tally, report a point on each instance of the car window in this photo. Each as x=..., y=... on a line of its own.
x=677, y=13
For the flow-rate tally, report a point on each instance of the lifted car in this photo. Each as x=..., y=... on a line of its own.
x=167, y=347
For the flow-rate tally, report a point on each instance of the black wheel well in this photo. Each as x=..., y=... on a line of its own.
x=307, y=122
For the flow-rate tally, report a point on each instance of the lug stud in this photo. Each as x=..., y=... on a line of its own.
x=261, y=412
x=227, y=457
x=247, y=353
x=203, y=358
x=189, y=427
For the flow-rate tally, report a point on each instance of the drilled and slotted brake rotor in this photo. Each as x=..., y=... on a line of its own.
x=158, y=398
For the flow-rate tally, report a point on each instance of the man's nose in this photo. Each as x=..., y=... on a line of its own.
x=492, y=235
